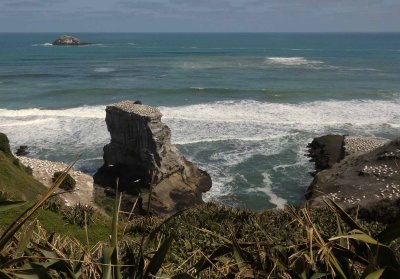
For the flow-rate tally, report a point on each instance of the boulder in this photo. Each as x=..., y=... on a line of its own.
x=367, y=180
x=141, y=155
x=66, y=40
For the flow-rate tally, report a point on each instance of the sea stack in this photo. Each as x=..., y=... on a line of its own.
x=141, y=155
x=66, y=40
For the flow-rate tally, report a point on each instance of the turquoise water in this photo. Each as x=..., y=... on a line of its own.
x=242, y=106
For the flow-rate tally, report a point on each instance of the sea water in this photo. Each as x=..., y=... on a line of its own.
x=241, y=106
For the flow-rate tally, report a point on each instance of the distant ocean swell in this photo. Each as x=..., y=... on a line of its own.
x=219, y=136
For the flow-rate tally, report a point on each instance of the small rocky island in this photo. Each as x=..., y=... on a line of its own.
x=66, y=40
x=141, y=155
x=360, y=174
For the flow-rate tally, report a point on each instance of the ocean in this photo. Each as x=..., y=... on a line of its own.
x=241, y=106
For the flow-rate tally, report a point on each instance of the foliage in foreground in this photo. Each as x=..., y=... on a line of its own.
x=210, y=241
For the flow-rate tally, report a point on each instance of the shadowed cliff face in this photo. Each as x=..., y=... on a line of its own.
x=326, y=151
x=140, y=153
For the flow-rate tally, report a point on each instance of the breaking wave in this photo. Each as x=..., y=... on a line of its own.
x=291, y=61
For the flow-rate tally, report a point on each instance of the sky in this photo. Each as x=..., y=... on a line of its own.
x=199, y=15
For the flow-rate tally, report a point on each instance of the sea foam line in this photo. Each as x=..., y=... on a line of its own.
x=267, y=189
x=291, y=61
x=357, y=112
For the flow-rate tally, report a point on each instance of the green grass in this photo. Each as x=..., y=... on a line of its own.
x=16, y=181
x=54, y=222
x=103, y=201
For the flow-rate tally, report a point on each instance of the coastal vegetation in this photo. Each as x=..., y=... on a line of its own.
x=15, y=180
x=209, y=241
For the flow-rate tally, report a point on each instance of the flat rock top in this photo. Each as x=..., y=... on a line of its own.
x=354, y=145
x=131, y=107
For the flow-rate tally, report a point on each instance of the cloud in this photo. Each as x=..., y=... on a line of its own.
x=180, y=7
x=31, y=3
x=204, y=4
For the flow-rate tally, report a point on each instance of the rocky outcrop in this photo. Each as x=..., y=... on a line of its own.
x=141, y=155
x=66, y=40
x=326, y=151
x=22, y=150
x=366, y=180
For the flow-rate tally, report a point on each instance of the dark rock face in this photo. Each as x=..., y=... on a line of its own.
x=366, y=181
x=69, y=41
x=326, y=151
x=140, y=153
x=22, y=151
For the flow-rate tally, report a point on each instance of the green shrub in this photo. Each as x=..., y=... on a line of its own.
x=5, y=144
x=68, y=183
x=53, y=204
x=79, y=215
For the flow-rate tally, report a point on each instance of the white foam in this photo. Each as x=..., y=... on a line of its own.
x=104, y=70
x=320, y=113
x=267, y=189
x=285, y=166
x=246, y=128
x=291, y=61
x=45, y=44
x=198, y=88
x=80, y=112
x=67, y=131
x=24, y=122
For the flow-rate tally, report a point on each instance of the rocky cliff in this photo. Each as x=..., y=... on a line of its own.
x=366, y=179
x=141, y=154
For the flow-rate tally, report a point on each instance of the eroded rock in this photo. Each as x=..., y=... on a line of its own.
x=141, y=154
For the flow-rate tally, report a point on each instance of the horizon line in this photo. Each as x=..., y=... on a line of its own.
x=203, y=32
